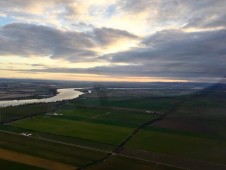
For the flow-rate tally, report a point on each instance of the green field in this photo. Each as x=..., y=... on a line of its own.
x=9, y=165
x=95, y=128
x=123, y=99
x=155, y=104
x=104, y=116
x=119, y=162
x=60, y=138
x=18, y=112
x=86, y=130
x=100, y=125
x=49, y=150
x=187, y=146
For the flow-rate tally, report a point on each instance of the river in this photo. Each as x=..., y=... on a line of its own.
x=62, y=94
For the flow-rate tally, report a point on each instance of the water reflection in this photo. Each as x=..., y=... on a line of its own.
x=62, y=94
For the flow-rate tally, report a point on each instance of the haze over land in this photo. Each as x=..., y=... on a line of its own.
x=113, y=40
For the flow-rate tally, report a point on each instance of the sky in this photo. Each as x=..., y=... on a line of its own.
x=113, y=40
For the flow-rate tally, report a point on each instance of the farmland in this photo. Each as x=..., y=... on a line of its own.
x=9, y=114
x=133, y=99
x=88, y=128
x=119, y=162
x=99, y=132
x=13, y=165
x=49, y=150
x=193, y=147
x=104, y=126
x=106, y=131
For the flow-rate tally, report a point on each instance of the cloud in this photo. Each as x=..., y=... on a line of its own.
x=138, y=6
x=55, y=13
x=109, y=35
x=206, y=14
x=150, y=15
x=177, y=39
x=34, y=40
x=175, y=53
x=179, y=14
x=169, y=53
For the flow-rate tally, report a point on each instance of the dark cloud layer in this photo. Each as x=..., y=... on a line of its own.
x=108, y=35
x=35, y=40
x=176, y=53
x=169, y=53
